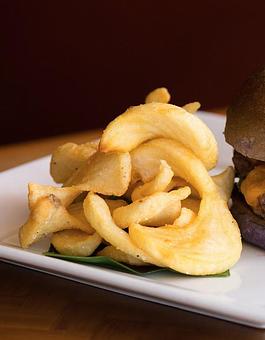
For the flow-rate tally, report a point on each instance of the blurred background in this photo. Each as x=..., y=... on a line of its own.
x=73, y=65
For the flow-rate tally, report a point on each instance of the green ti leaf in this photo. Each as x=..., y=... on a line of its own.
x=107, y=262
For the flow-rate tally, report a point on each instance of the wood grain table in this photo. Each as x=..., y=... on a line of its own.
x=34, y=305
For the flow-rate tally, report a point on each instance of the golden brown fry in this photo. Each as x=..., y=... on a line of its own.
x=47, y=216
x=144, y=122
x=98, y=215
x=104, y=173
x=211, y=244
x=160, y=95
x=178, y=182
x=75, y=242
x=192, y=204
x=37, y=191
x=225, y=182
x=155, y=210
x=76, y=210
x=186, y=217
x=158, y=184
x=114, y=204
x=67, y=158
x=146, y=160
x=192, y=107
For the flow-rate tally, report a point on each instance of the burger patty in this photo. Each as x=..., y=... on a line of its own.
x=243, y=165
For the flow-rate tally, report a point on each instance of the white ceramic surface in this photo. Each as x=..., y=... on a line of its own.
x=239, y=298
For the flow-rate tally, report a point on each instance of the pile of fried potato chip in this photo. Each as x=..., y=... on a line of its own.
x=142, y=193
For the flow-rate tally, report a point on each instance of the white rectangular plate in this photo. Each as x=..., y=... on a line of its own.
x=239, y=298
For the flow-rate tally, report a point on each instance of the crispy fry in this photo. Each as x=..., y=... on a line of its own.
x=155, y=210
x=37, y=191
x=225, y=182
x=192, y=107
x=146, y=160
x=47, y=216
x=75, y=242
x=192, y=204
x=67, y=158
x=211, y=243
x=160, y=95
x=114, y=204
x=144, y=122
x=98, y=215
x=104, y=173
x=186, y=217
x=158, y=184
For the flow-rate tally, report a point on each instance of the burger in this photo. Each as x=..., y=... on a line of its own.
x=245, y=131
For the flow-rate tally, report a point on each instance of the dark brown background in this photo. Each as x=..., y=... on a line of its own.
x=74, y=65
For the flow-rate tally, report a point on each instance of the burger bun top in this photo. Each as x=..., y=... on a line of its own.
x=245, y=124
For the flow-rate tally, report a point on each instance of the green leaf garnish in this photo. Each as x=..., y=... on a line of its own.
x=107, y=262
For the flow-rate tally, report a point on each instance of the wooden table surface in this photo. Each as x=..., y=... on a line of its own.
x=34, y=305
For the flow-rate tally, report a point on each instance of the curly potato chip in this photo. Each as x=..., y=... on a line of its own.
x=68, y=158
x=192, y=204
x=159, y=95
x=104, y=173
x=225, y=182
x=211, y=243
x=114, y=204
x=186, y=217
x=178, y=182
x=75, y=242
x=47, y=216
x=146, y=161
x=76, y=210
x=120, y=256
x=192, y=107
x=37, y=191
x=144, y=122
x=155, y=210
x=158, y=184
x=98, y=215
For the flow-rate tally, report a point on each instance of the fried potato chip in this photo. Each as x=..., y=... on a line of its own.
x=75, y=242
x=104, y=173
x=192, y=204
x=76, y=210
x=132, y=186
x=211, y=243
x=160, y=95
x=178, y=182
x=192, y=107
x=47, y=216
x=120, y=256
x=158, y=184
x=225, y=182
x=146, y=161
x=114, y=204
x=144, y=122
x=67, y=158
x=186, y=217
x=155, y=210
x=37, y=191
x=98, y=215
